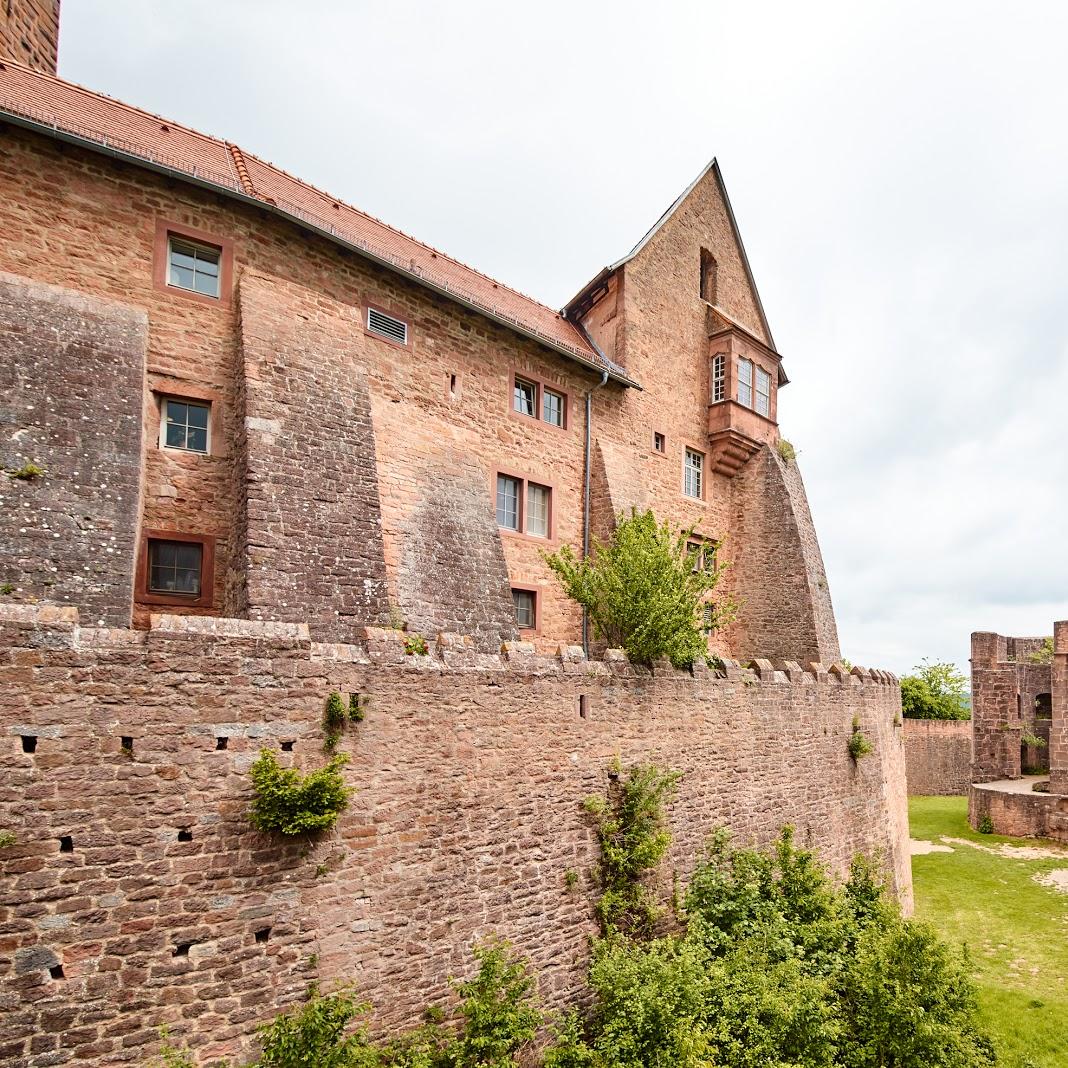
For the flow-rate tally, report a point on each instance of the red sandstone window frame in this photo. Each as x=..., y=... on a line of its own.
x=663, y=441
x=524, y=481
x=165, y=230
x=540, y=384
x=206, y=597
x=535, y=592
x=187, y=393
x=394, y=312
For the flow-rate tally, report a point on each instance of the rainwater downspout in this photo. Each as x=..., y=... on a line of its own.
x=586, y=481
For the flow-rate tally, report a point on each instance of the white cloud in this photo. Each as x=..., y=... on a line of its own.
x=898, y=174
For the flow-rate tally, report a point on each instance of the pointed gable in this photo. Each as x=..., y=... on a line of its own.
x=701, y=220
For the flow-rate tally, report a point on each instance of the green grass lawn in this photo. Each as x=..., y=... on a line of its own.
x=1015, y=929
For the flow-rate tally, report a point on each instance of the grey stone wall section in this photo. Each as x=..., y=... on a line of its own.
x=777, y=567
x=312, y=522
x=71, y=389
x=453, y=574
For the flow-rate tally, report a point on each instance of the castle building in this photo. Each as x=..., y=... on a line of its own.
x=247, y=432
x=252, y=400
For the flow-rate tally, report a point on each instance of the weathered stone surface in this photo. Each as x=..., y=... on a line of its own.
x=467, y=814
x=938, y=756
x=71, y=372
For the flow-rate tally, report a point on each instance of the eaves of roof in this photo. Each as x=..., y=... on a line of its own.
x=67, y=112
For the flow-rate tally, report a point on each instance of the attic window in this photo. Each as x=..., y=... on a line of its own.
x=387, y=326
x=193, y=266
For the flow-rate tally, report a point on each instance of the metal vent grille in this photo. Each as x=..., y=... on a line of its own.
x=387, y=326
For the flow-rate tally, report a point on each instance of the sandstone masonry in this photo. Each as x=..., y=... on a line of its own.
x=138, y=873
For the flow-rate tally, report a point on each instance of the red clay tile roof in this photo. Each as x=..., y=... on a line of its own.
x=61, y=108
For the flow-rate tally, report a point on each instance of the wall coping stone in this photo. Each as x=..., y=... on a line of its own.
x=385, y=646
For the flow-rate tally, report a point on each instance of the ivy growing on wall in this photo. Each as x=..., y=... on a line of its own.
x=633, y=838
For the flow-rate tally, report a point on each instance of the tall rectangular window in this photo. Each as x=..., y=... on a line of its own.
x=175, y=567
x=507, y=502
x=184, y=425
x=745, y=383
x=525, y=603
x=719, y=377
x=537, y=510
x=552, y=407
x=525, y=397
x=693, y=474
x=763, y=391
x=193, y=266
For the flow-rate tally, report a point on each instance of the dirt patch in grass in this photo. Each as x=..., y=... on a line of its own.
x=1057, y=879
x=996, y=898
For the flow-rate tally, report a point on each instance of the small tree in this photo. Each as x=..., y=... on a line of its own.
x=645, y=590
x=1043, y=654
x=935, y=691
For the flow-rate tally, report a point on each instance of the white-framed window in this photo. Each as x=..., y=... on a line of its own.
x=193, y=266
x=387, y=326
x=745, y=383
x=508, y=491
x=538, y=510
x=719, y=377
x=763, y=391
x=708, y=615
x=525, y=397
x=185, y=424
x=526, y=609
x=693, y=474
x=659, y=441
x=552, y=407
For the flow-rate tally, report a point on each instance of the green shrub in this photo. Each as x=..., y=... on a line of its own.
x=415, y=645
x=786, y=450
x=643, y=592
x=320, y=1033
x=858, y=745
x=357, y=708
x=290, y=803
x=633, y=841
x=935, y=691
x=7, y=838
x=986, y=825
x=1031, y=739
x=498, y=1010
x=1042, y=655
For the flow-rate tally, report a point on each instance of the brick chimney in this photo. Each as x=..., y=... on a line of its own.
x=29, y=32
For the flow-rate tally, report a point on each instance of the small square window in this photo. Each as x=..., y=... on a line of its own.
x=693, y=474
x=184, y=425
x=175, y=567
x=659, y=441
x=193, y=266
x=552, y=407
x=507, y=502
x=538, y=498
x=525, y=602
x=525, y=397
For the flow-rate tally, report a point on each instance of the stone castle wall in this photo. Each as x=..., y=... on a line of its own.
x=938, y=756
x=137, y=874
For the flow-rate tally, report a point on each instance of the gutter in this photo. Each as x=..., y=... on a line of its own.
x=586, y=480
x=313, y=226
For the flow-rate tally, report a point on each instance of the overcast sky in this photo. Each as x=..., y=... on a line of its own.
x=900, y=176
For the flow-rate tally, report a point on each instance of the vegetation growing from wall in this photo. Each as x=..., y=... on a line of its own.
x=774, y=965
x=645, y=592
x=935, y=691
x=1043, y=654
x=287, y=802
x=633, y=839
x=858, y=745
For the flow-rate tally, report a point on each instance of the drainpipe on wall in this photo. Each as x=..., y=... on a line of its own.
x=586, y=481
